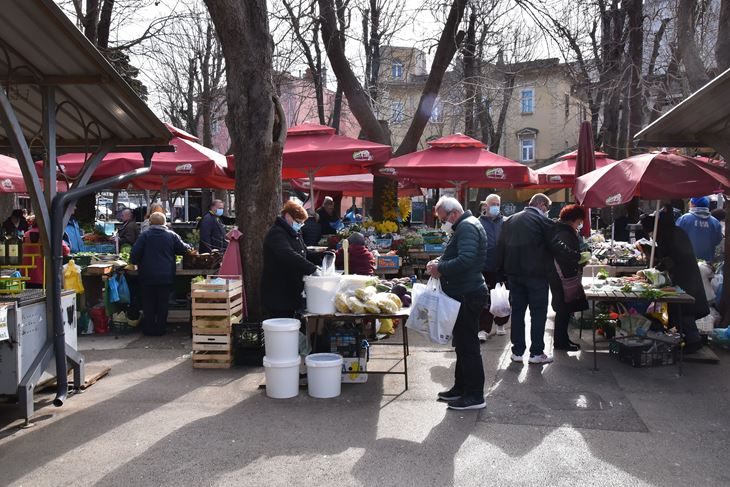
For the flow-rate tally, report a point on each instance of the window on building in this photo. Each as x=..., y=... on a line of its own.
x=437, y=113
x=527, y=149
x=396, y=112
x=397, y=70
x=527, y=100
x=567, y=106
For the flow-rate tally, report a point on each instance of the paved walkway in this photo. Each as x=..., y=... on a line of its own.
x=156, y=421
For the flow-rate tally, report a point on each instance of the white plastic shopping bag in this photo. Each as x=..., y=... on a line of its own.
x=499, y=297
x=433, y=312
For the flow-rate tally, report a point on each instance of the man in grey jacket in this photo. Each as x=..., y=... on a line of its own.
x=460, y=272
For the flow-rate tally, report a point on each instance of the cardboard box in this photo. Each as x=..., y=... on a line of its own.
x=351, y=370
x=388, y=262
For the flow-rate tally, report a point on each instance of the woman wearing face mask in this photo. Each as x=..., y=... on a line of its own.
x=491, y=219
x=286, y=262
x=569, y=262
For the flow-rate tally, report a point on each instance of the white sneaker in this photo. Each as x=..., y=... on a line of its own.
x=518, y=358
x=500, y=330
x=483, y=336
x=541, y=359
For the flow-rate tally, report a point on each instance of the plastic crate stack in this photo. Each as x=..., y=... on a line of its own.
x=217, y=306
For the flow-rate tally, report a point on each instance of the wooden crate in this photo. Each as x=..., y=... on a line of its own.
x=212, y=300
x=212, y=351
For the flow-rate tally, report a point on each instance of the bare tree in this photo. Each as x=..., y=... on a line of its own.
x=189, y=73
x=257, y=126
x=722, y=47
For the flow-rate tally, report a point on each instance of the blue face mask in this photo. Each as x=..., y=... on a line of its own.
x=219, y=212
x=494, y=210
x=297, y=226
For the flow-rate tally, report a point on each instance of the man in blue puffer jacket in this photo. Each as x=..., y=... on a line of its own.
x=154, y=253
x=703, y=229
x=460, y=272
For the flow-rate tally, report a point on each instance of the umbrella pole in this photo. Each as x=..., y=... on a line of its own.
x=656, y=225
x=310, y=173
x=187, y=206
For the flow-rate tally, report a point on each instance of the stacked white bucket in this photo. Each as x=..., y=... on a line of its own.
x=281, y=363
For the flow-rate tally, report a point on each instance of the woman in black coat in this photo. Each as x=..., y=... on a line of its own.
x=566, y=250
x=674, y=254
x=285, y=263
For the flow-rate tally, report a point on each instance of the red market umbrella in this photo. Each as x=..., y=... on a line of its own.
x=653, y=176
x=312, y=149
x=11, y=178
x=190, y=166
x=585, y=162
x=352, y=185
x=458, y=160
x=561, y=174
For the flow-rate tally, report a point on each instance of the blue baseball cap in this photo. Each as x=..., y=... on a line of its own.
x=703, y=202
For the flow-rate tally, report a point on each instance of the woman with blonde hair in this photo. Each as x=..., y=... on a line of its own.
x=154, y=208
x=286, y=262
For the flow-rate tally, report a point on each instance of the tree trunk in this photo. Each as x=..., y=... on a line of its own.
x=257, y=126
x=357, y=97
x=470, y=81
x=105, y=22
x=509, y=86
x=688, y=50
x=449, y=42
x=91, y=21
x=337, y=109
x=722, y=48
x=636, y=57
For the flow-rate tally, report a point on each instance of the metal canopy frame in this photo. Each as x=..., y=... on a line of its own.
x=703, y=119
x=57, y=89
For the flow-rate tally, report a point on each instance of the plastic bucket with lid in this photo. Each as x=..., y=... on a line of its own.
x=324, y=375
x=281, y=338
x=320, y=291
x=282, y=378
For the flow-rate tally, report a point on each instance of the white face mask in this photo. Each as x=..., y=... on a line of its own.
x=580, y=227
x=446, y=227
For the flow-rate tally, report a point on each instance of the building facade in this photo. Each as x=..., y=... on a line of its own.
x=544, y=110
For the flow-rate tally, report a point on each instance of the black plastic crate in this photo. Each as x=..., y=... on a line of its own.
x=643, y=352
x=248, y=344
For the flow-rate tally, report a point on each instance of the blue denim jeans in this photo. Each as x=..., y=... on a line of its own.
x=533, y=292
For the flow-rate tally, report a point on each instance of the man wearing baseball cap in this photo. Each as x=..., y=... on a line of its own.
x=703, y=229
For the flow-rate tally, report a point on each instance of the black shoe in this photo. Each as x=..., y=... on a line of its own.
x=693, y=347
x=466, y=403
x=452, y=394
x=570, y=347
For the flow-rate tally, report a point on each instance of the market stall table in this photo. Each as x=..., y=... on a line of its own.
x=611, y=295
x=315, y=323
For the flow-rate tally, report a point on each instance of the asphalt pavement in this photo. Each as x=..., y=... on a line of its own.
x=154, y=420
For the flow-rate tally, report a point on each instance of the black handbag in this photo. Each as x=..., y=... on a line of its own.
x=572, y=286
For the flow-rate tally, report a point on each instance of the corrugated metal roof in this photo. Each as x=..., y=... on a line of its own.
x=40, y=45
x=700, y=120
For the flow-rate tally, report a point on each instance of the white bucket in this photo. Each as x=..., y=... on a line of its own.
x=282, y=378
x=321, y=292
x=281, y=338
x=324, y=375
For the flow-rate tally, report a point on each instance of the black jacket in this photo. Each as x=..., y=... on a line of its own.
x=524, y=245
x=565, y=247
x=312, y=231
x=154, y=253
x=128, y=233
x=325, y=221
x=463, y=260
x=285, y=265
x=212, y=234
x=675, y=255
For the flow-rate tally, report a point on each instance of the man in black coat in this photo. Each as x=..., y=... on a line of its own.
x=327, y=217
x=212, y=229
x=460, y=273
x=675, y=255
x=154, y=253
x=129, y=231
x=285, y=263
x=523, y=255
